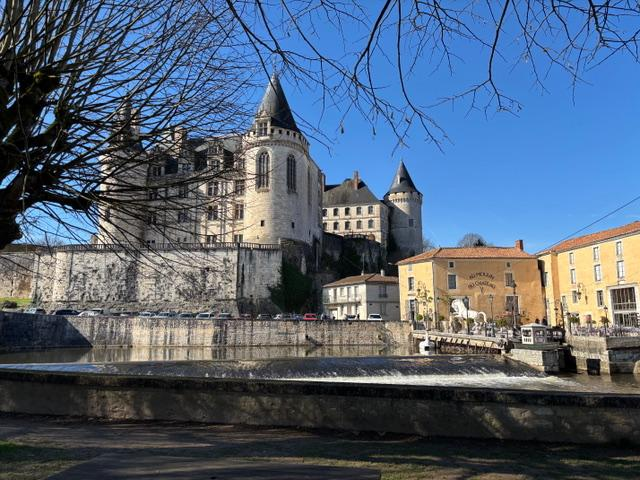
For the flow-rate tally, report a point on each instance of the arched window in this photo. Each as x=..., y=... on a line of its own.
x=263, y=171
x=291, y=173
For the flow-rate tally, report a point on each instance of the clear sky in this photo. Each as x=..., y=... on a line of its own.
x=565, y=161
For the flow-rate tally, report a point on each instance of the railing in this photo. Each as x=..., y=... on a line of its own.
x=167, y=246
x=609, y=331
x=341, y=299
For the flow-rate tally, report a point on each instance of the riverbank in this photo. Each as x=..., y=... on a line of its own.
x=34, y=447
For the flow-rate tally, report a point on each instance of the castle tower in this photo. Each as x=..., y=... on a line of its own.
x=124, y=176
x=284, y=185
x=405, y=207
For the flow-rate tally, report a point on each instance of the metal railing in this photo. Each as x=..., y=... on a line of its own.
x=168, y=246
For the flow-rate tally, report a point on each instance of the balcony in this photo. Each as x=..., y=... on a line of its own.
x=340, y=300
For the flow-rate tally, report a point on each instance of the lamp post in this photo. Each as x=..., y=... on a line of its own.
x=513, y=304
x=606, y=317
x=493, y=326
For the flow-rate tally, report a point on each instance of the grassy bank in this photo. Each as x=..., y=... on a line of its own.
x=22, y=302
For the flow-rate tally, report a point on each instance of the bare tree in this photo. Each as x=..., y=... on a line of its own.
x=473, y=240
x=85, y=80
x=427, y=245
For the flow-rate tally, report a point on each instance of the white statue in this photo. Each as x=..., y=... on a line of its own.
x=461, y=311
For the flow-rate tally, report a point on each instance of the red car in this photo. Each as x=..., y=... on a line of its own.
x=310, y=316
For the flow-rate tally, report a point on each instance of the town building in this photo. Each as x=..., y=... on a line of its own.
x=351, y=209
x=362, y=295
x=502, y=282
x=594, y=277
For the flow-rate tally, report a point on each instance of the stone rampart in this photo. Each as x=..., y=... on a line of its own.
x=23, y=331
x=421, y=410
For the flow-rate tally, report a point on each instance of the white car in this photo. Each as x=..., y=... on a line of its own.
x=224, y=316
x=94, y=312
x=206, y=315
x=374, y=316
x=146, y=314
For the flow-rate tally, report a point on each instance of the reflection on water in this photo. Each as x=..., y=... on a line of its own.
x=146, y=354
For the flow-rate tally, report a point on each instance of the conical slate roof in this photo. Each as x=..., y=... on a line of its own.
x=402, y=182
x=274, y=104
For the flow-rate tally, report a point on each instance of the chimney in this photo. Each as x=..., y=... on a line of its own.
x=520, y=245
x=356, y=179
x=382, y=273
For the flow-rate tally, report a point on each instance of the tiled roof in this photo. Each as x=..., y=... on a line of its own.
x=468, y=252
x=345, y=194
x=596, y=237
x=367, y=278
x=402, y=182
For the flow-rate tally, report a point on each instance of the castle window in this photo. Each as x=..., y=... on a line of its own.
x=238, y=211
x=370, y=209
x=370, y=223
x=262, y=223
x=183, y=191
x=347, y=211
x=347, y=225
x=411, y=222
x=291, y=173
x=262, y=129
x=215, y=164
x=293, y=224
x=239, y=163
x=358, y=210
x=183, y=216
x=156, y=171
x=239, y=188
x=211, y=239
x=262, y=180
x=153, y=194
x=237, y=238
x=151, y=219
x=212, y=213
x=359, y=224
x=335, y=212
x=324, y=212
x=452, y=281
x=213, y=189
x=324, y=225
x=335, y=225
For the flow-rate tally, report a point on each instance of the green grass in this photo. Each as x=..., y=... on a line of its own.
x=25, y=462
x=22, y=302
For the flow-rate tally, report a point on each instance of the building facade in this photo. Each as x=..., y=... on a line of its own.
x=594, y=277
x=502, y=282
x=259, y=187
x=362, y=295
x=351, y=209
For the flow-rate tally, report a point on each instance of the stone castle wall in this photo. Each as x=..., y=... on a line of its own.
x=80, y=277
x=16, y=274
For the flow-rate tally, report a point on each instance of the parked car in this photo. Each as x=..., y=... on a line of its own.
x=65, y=312
x=165, y=315
x=147, y=314
x=350, y=317
x=94, y=312
x=206, y=315
x=224, y=316
x=186, y=315
x=374, y=316
x=283, y=316
x=263, y=316
x=35, y=311
x=310, y=316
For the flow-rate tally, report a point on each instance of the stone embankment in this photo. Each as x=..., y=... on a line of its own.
x=615, y=354
x=22, y=332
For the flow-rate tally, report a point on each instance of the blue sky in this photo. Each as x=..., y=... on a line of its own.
x=564, y=161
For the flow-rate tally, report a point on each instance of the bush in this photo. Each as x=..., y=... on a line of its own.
x=9, y=304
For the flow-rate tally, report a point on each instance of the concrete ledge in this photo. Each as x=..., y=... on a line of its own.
x=428, y=411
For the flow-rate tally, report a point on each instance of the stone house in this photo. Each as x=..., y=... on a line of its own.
x=361, y=296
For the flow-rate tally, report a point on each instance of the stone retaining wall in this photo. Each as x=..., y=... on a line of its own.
x=616, y=354
x=23, y=331
x=428, y=411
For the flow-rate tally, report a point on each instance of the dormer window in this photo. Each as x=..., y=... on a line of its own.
x=262, y=129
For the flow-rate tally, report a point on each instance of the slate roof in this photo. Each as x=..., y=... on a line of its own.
x=274, y=104
x=345, y=194
x=596, y=237
x=468, y=252
x=366, y=278
x=402, y=182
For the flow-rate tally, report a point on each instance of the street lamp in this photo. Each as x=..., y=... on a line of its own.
x=606, y=319
x=491, y=305
x=513, y=304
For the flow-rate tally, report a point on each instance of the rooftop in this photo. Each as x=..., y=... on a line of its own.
x=592, y=238
x=366, y=278
x=516, y=251
x=274, y=104
x=352, y=191
x=402, y=182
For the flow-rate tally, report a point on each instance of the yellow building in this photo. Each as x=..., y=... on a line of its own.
x=499, y=281
x=594, y=277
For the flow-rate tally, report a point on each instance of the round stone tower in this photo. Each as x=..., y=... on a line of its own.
x=284, y=185
x=405, y=211
x=124, y=173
